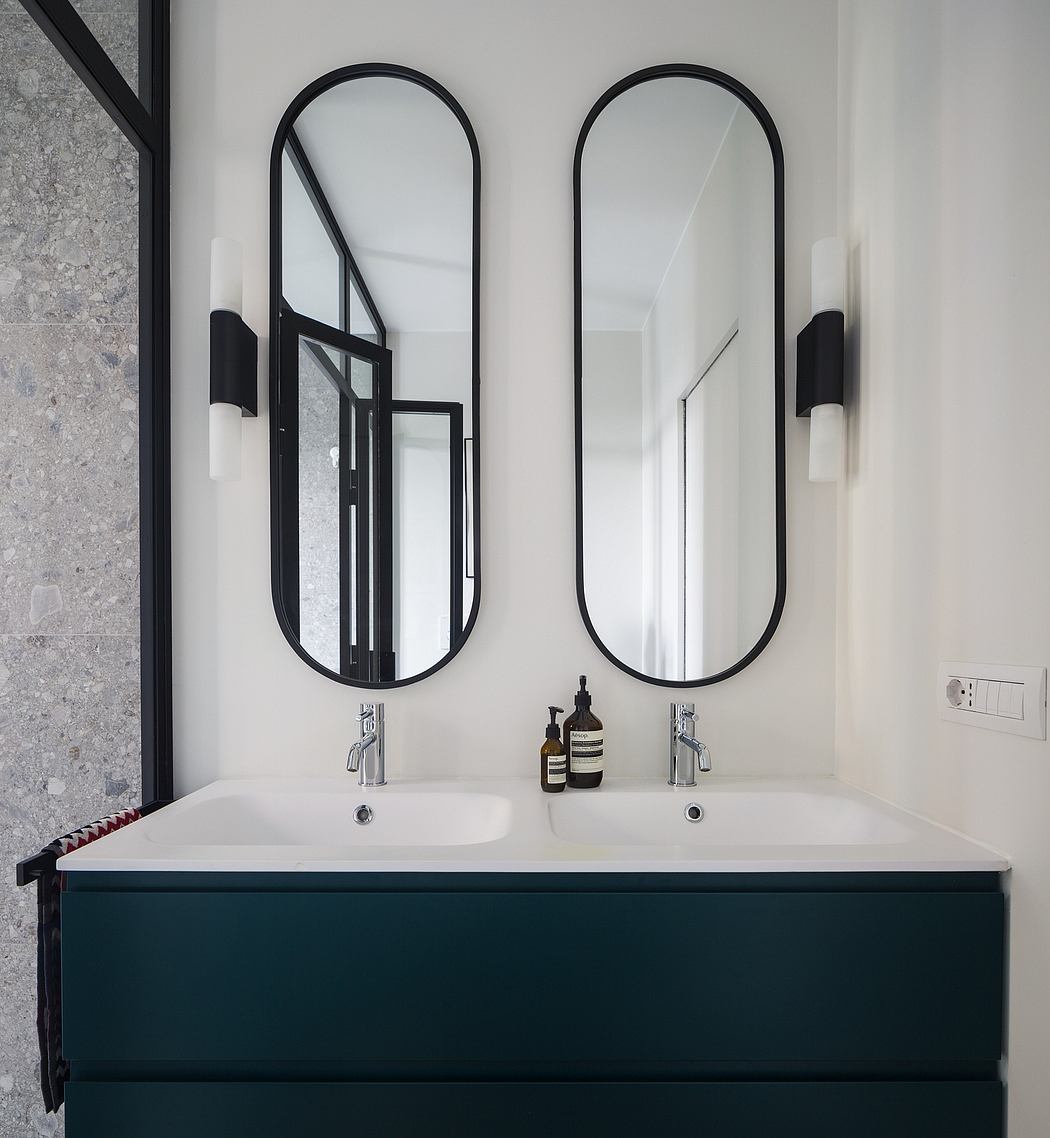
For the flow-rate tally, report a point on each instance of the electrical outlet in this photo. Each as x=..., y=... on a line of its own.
x=999, y=697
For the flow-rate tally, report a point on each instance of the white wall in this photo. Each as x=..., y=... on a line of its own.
x=434, y=366
x=526, y=73
x=945, y=538
x=720, y=280
x=612, y=489
x=422, y=526
x=311, y=272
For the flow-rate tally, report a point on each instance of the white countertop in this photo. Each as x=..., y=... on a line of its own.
x=799, y=825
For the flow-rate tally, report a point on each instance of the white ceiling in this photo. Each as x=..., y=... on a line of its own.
x=396, y=168
x=645, y=162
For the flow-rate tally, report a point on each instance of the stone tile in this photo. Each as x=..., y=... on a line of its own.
x=69, y=704
x=70, y=748
x=25, y=49
x=21, y=1107
x=69, y=524
x=115, y=24
x=318, y=513
x=127, y=10
x=17, y=904
x=68, y=194
x=30, y=65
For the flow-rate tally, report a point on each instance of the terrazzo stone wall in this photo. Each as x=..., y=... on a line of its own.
x=69, y=532
x=318, y=514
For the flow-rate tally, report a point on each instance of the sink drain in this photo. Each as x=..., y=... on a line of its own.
x=363, y=815
x=694, y=812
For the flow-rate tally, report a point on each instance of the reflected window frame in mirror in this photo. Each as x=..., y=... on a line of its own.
x=369, y=348
x=752, y=103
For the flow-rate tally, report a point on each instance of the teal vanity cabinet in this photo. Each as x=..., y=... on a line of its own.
x=493, y=1005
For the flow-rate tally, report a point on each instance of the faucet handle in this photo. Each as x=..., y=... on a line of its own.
x=372, y=771
x=684, y=715
x=366, y=717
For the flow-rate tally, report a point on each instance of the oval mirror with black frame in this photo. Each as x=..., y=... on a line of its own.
x=679, y=331
x=374, y=384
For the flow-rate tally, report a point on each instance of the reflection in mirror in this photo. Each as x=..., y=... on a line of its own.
x=679, y=375
x=375, y=389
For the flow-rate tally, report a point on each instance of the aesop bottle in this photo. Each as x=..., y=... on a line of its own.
x=552, y=757
x=584, y=742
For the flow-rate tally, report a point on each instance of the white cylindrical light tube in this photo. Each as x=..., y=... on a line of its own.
x=825, y=442
x=828, y=283
x=227, y=275
x=224, y=442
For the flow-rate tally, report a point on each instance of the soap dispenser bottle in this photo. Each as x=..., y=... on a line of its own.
x=584, y=742
x=552, y=756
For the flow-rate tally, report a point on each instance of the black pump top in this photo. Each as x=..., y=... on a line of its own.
x=583, y=696
x=553, y=730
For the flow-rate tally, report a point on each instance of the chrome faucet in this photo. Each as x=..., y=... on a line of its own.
x=366, y=757
x=687, y=753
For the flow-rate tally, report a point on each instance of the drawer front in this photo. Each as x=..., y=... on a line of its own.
x=518, y=978
x=535, y=1110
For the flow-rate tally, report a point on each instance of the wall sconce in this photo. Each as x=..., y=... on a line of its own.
x=821, y=361
x=234, y=362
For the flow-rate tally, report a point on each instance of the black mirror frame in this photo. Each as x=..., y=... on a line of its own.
x=706, y=74
x=297, y=105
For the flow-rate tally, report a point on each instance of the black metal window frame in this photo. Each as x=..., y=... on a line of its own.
x=377, y=666
x=350, y=280
x=145, y=122
x=358, y=491
x=355, y=603
x=350, y=276
x=454, y=412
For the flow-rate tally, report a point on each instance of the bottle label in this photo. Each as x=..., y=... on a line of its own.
x=555, y=769
x=586, y=749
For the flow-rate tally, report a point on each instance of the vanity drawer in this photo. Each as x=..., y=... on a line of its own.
x=461, y=982
x=527, y=1110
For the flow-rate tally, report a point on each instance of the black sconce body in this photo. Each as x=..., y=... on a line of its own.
x=820, y=362
x=234, y=362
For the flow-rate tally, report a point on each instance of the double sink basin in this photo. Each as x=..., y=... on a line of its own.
x=510, y=825
x=617, y=816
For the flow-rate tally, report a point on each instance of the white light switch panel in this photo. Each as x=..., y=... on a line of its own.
x=1001, y=697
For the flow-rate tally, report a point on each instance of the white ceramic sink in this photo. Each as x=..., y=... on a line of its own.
x=509, y=825
x=726, y=817
x=248, y=816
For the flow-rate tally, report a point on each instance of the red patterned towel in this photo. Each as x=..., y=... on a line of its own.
x=54, y=1070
